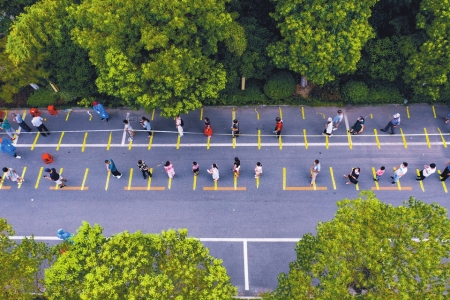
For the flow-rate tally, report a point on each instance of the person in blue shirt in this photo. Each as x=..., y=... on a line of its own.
x=4, y=124
x=18, y=119
x=98, y=108
x=446, y=173
x=7, y=147
x=393, y=123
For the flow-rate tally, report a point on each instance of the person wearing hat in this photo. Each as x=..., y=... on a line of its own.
x=98, y=108
x=328, y=128
x=7, y=147
x=358, y=127
x=393, y=123
x=53, y=176
x=278, y=126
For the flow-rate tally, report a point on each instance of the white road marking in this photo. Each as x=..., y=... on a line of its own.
x=345, y=119
x=232, y=240
x=124, y=135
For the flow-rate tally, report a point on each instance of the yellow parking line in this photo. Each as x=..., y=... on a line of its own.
x=84, y=142
x=444, y=186
x=257, y=114
x=420, y=181
x=407, y=112
x=150, y=142
x=233, y=143
x=326, y=142
x=314, y=186
x=109, y=141
x=35, y=140
x=39, y=177
x=306, y=140
x=215, y=185
x=60, y=172
x=67, y=115
x=84, y=178
x=259, y=139
x=233, y=114
x=442, y=137
x=4, y=178
x=153, y=114
x=130, y=144
x=357, y=187
x=350, y=144
x=332, y=178
x=403, y=138
x=208, y=142
x=149, y=182
x=23, y=176
x=194, y=185
x=280, y=142
x=235, y=182
x=371, y=116
x=284, y=179
x=374, y=176
x=434, y=111
x=130, y=179
x=24, y=114
x=257, y=182
x=178, y=142
x=281, y=112
x=306, y=188
x=107, y=180
x=169, y=184
x=201, y=113
x=399, y=185
x=60, y=140
x=90, y=117
x=426, y=137
x=303, y=113
x=376, y=138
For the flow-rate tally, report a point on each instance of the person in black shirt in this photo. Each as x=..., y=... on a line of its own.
x=53, y=176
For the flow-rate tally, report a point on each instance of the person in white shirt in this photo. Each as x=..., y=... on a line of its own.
x=399, y=172
x=258, y=170
x=129, y=130
x=38, y=123
x=427, y=171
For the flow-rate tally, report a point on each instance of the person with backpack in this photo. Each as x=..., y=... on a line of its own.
x=179, y=125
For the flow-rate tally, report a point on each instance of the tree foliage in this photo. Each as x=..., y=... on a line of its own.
x=321, y=39
x=9, y=9
x=20, y=264
x=136, y=266
x=373, y=249
x=279, y=86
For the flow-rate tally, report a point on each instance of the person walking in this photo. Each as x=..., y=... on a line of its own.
x=100, y=110
x=337, y=120
x=4, y=124
x=353, y=176
x=328, y=128
x=393, y=123
x=144, y=169
x=446, y=173
x=53, y=176
x=18, y=119
x=379, y=173
x=207, y=130
x=179, y=125
x=427, y=171
x=129, y=130
x=7, y=147
x=168, y=167
x=278, y=126
x=146, y=124
x=399, y=172
x=358, y=127
x=38, y=122
x=258, y=170
x=195, y=168
x=12, y=175
x=111, y=167
x=235, y=128
x=314, y=171
x=447, y=119
x=236, y=167
x=214, y=171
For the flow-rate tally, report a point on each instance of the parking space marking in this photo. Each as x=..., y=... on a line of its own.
x=153, y=114
x=23, y=177
x=257, y=114
x=392, y=188
x=130, y=179
x=233, y=143
x=444, y=143
x=326, y=142
x=304, y=137
x=69, y=188
x=332, y=178
x=130, y=144
x=60, y=172
x=376, y=138
x=375, y=176
x=407, y=112
x=35, y=140
x=350, y=145
x=306, y=188
x=109, y=141
x=60, y=140
x=235, y=182
x=224, y=188
x=403, y=138
x=150, y=142
x=303, y=113
x=259, y=139
x=280, y=142
x=39, y=177
x=84, y=142
x=194, y=184
x=169, y=183
x=444, y=186
x=420, y=181
x=107, y=180
x=434, y=111
x=2, y=181
x=208, y=142
x=426, y=137
x=233, y=114
x=67, y=115
x=201, y=113
x=84, y=179
x=178, y=142
x=281, y=112
x=284, y=179
x=257, y=182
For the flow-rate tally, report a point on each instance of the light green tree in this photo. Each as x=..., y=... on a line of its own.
x=20, y=265
x=373, y=249
x=136, y=266
x=321, y=39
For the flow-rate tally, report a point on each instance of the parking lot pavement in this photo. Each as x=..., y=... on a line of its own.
x=281, y=204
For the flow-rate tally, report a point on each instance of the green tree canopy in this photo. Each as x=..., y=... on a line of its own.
x=321, y=39
x=136, y=266
x=20, y=264
x=375, y=249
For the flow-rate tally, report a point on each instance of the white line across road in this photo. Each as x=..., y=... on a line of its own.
x=244, y=242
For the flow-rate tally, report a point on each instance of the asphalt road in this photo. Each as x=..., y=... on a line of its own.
x=248, y=209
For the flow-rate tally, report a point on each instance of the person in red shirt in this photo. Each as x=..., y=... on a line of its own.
x=278, y=126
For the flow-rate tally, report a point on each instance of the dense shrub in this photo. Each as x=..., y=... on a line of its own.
x=355, y=92
x=384, y=94
x=42, y=98
x=252, y=94
x=280, y=85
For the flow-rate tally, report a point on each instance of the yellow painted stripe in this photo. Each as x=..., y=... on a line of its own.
x=24, y=114
x=149, y=180
x=332, y=178
x=399, y=185
x=233, y=143
x=235, y=182
x=434, y=111
x=3, y=180
x=130, y=178
x=23, y=177
x=442, y=137
x=194, y=184
x=350, y=144
x=8, y=187
x=60, y=140
x=257, y=114
x=39, y=177
x=201, y=113
x=371, y=116
x=281, y=112
x=68, y=188
x=357, y=186
x=109, y=141
x=407, y=112
x=233, y=114
x=130, y=144
x=403, y=138
x=306, y=188
x=427, y=138
x=67, y=115
x=374, y=176
x=169, y=184
x=225, y=188
x=259, y=139
x=392, y=188
x=326, y=142
x=284, y=179
x=60, y=172
x=314, y=186
x=280, y=142
x=208, y=143
x=35, y=140
x=444, y=186
x=420, y=181
x=84, y=142
x=84, y=178
x=144, y=188
x=257, y=182
x=376, y=138
x=306, y=140
x=150, y=142
x=215, y=186
x=90, y=117
x=178, y=142
x=107, y=180
x=153, y=115
x=303, y=113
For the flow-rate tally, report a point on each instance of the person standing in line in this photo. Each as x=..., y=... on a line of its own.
x=236, y=167
x=179, y=125
x=146, y=124
x=100, y=110
x=427, y=171
x=144, y=169
x=168, y=167
x=337, y=120
x=207, y=122
x=447, y=119
x=18, y=119
x=353, y=176
x=195, y=168
x=214, y=171
x=258, y=170
x=446, y=173
x=38, y=122
x=393, y=123
x=129, y=130
x=12, y=175
x=235, y=128
x=111, y=167
x=7, y=147
x=4, y=124
x=328, y=128
x=278, y=126
x=314, y=171
x=358, y=127
x=379, y=173
x=399, y=172
x=55, y=177
x=207, y=130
